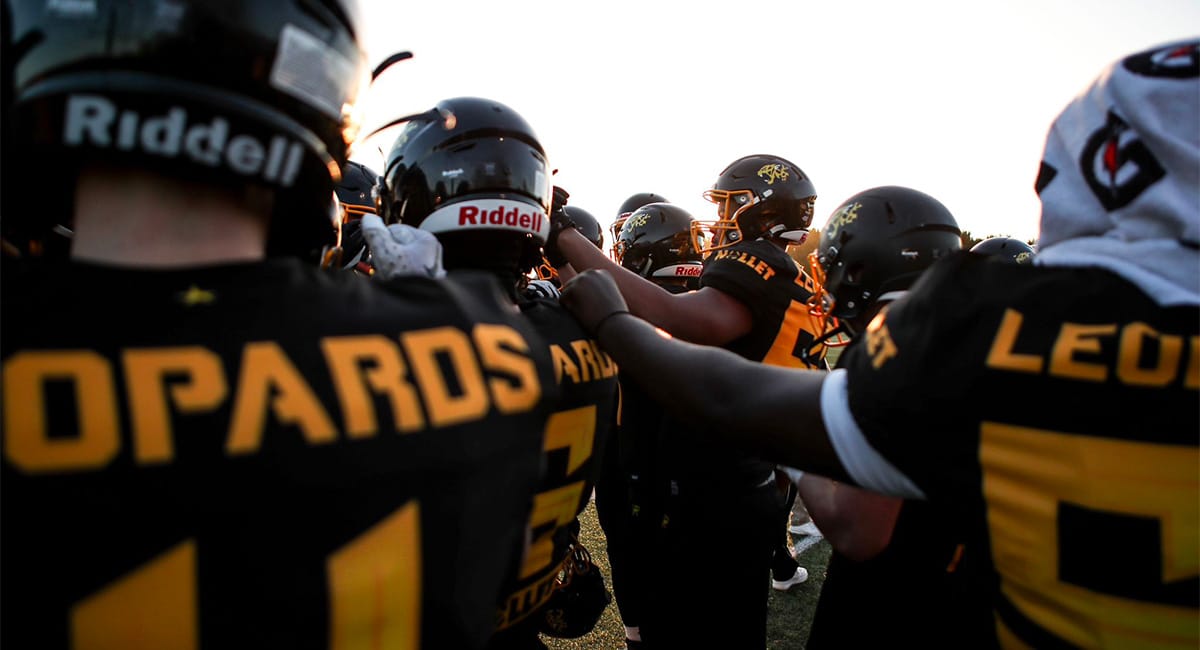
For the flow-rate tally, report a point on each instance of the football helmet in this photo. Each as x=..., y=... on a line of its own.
x=472, y=172
x=355, y=191
x=656, y=243
x=258, y=93
x=1006, y=249
x=627, y=207
x=355, y=198
x=757, y=196
x=872, y=249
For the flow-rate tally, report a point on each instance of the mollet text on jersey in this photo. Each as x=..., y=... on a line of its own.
x=760, y=267
x=429, y=379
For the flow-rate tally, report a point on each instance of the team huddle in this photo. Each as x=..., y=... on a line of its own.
x=256, y=394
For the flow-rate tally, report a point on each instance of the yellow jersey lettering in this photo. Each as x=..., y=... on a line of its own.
x=427, y=350
x=27, y=441
x=1170, y=351
x=269, y=381
x=522, y=603
x=1002, y=357
x=154, y=606
x=575, y=431
x=591, y=369
x=563, y=365
x=502, y=349
x=880, y=345
x=762, y=268
x=146, y=373
x=1075, y=338
x=362, y=365
x=375, y=585
x=552, y=509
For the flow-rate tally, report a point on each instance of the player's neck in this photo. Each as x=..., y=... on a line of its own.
x=139, y=219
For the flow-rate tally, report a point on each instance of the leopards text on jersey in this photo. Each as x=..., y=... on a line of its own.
x=262, y=455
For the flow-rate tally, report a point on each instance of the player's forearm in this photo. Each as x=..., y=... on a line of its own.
x=645, y=299
x=856, y=522
x=772, y=412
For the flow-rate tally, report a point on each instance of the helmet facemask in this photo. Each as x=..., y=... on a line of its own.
x=725, y=231
x=832, y=332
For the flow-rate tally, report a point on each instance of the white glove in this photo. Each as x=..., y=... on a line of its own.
x=399, y=250
x=541, y=289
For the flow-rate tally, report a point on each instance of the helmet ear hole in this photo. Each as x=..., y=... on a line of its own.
x=854, y=274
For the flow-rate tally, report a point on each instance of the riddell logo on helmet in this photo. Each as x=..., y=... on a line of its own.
x=492, y=214
x=97, y=121
x=688, y=270
x=470, y=215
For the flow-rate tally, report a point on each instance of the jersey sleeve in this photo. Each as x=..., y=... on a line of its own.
x=910, y=377
x=748, y=271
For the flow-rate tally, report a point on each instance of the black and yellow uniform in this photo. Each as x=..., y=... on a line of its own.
x=1106, y=448
x=630, y=495
x=719, y=494
x=262, y=455
x=573, y=445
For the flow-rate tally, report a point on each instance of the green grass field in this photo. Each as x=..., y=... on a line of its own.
x=788, y=619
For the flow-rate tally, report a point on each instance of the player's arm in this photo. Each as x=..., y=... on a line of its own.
x=770, y=411
x=856, y=522
x=707, y=316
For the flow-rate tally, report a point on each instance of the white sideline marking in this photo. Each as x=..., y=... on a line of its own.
x=805, y=544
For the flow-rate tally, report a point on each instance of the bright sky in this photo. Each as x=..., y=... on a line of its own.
x=950, y=97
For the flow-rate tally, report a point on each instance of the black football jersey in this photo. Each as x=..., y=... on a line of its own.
x=575, y=437
x=776, y=291
x=1061, y=407
x=262, y=455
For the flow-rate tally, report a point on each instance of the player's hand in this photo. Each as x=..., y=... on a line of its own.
x=559, y=221
x=593, y=296
x=541, y=289
x=400, y=250
x=560, y=199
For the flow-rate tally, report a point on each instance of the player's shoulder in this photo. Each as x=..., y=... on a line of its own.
x=755, y=261
x=551, y=319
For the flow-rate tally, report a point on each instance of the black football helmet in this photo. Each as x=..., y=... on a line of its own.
x=355, y=198
x=472, y=172
x=656, y=243
x=1006, y=249
x=586, y=224
x=627, y=207
x=872, y=249
x=236, y=92
x=757, y=196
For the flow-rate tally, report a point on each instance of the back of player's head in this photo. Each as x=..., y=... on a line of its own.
x=876, y=244
x=473, y=172
x=630, y=204
x=233, y=93
x=656, y=243
x=1005, y=249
